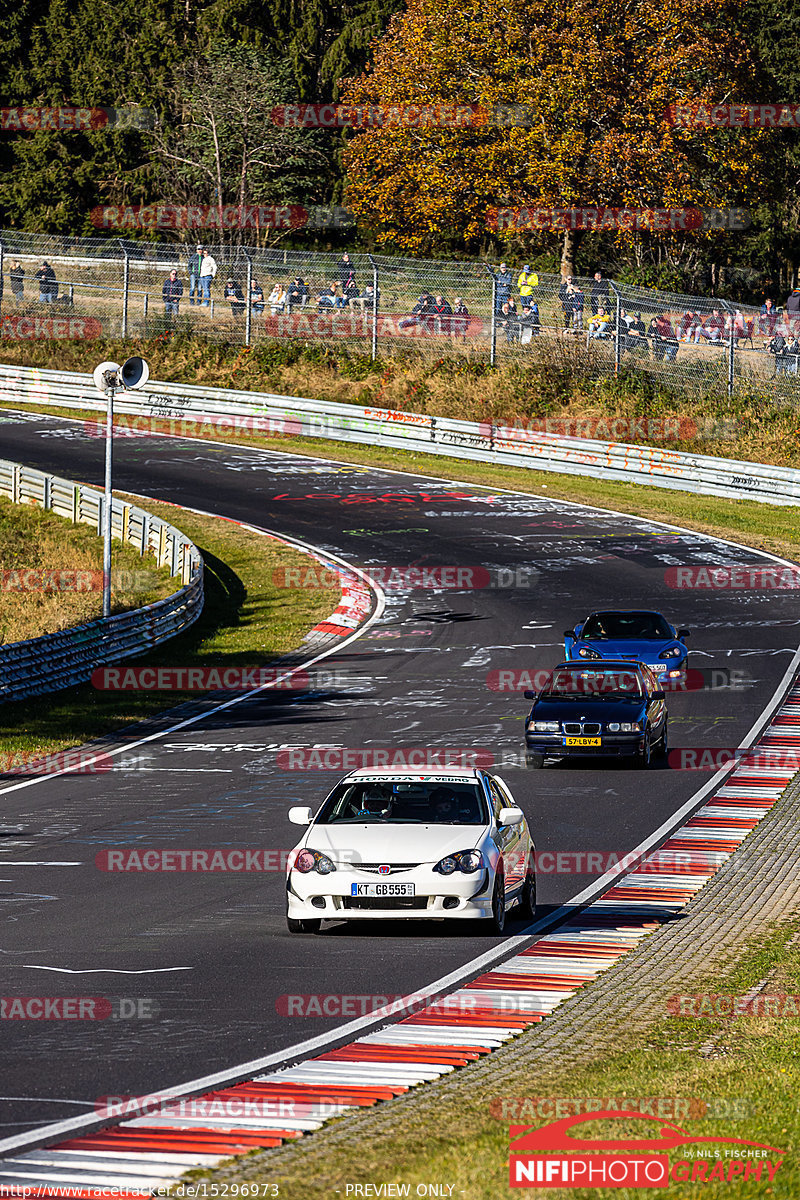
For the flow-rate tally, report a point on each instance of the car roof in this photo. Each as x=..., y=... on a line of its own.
x=625, y=612
x=468, y=774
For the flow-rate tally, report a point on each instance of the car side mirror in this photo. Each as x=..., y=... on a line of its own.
x=659, y=695
x=300, y=816
x=684, y=633
x=510, y=816
x=529, y=695
x=569, y=633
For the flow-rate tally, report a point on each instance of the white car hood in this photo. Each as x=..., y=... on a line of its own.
x=376, y=843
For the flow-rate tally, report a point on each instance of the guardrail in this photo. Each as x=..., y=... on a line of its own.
x=192, y=408
x=68, y=657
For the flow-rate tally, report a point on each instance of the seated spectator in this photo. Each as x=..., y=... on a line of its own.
x=686, y=327
x=460, y=320
x=599, y=325
x=442, y=313
x=331, y=298
x=507, y=320
x=171, y=294
x=366, y=300
x=711, y=329
x=777, y=346
x=277, y=299
x=767, y=319
x=234, y=293
x=419, y=313
x=529, y=323
x=662, y=334
x=636, y=340
x=256, y=296
x=298, y=295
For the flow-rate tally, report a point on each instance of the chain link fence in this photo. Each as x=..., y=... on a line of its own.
x=377, y=305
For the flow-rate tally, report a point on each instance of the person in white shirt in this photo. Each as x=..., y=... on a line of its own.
x=208, y=271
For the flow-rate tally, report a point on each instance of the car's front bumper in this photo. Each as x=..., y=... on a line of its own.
x=614, y=745
x=436, y=897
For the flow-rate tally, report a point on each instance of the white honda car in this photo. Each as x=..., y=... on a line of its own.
x=439, y=843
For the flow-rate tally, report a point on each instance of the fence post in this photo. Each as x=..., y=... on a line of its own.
x=731, y=346
x=1, y=276
x=126, y=280
x=493, y=344
x=374, y=307
x=248, y=322
x=617, y=330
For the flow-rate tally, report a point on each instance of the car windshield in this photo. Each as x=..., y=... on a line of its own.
x=580, y=682
x=405, y=802
x=641, y=626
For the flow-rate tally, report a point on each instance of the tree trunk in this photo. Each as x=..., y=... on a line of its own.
x=569, y=251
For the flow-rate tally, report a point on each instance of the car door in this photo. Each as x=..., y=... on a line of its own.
x=512, y=840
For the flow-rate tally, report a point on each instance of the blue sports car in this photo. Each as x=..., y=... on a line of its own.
x=638, y=636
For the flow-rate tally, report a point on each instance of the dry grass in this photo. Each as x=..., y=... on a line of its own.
x=72, y=556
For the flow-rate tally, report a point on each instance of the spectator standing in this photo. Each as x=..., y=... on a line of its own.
x=208, y=273
x=526, y=282
x=793, y=305
x=637, y=336
x=565, y=300
x=256, y=297
x=504, y=281
x=347, y=278
x=233, y=292
x=193, y=268
x=48, y=286
x=17, y=278
x=577, y=299
x=598, y=293
x=171, y=294
x=767, y=318
x=793, y=356
x=508, y=322
x=277, y=299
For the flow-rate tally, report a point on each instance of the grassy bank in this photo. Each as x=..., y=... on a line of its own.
x=744, y=1068
x=51, y=574
x=247, y=621
x=555, y=383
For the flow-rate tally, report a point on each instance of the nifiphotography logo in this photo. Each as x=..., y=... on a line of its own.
x=550, y=1157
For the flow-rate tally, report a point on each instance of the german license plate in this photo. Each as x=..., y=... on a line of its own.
x=381, y=889
x=582, y=741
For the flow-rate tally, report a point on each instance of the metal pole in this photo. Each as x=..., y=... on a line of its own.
x=618, y=331
x=375, y=294
x=493, y=345
x=249, y=309
x=126, y=279
x=1, y=276
x=108, y=503
x=731, y=346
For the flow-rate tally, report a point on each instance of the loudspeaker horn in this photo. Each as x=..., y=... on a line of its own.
x=134, y=373
x=101, y=373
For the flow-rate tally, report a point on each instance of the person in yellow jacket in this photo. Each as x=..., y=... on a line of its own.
x=528, y=280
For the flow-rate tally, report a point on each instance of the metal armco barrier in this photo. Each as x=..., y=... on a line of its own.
x=192, y=409
x=63, y=659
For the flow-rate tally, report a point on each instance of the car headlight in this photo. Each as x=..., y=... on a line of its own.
x=312, y=860
x=624, y=726
x=543, y=726
x=465, y=860
x=673, y=652
x=587, y=652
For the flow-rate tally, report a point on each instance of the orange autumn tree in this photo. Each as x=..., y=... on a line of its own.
x=596, y=78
